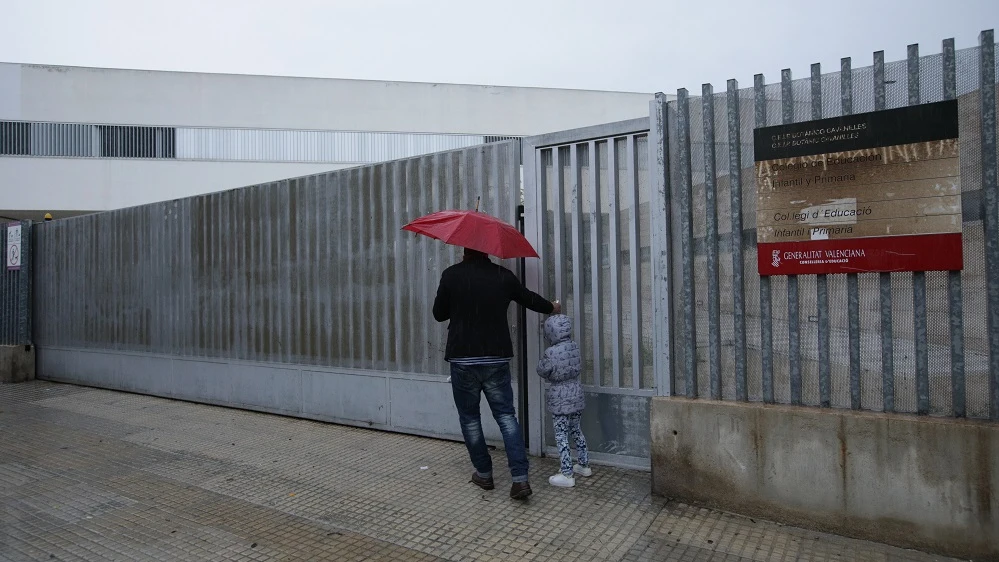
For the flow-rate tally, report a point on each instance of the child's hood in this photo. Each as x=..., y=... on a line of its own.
x=558, y=328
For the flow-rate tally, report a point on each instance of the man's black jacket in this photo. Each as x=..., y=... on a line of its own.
x=475, y=295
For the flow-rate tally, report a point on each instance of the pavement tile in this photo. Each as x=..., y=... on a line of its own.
x=90, y=474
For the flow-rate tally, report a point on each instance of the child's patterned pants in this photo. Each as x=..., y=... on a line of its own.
x=564, y=426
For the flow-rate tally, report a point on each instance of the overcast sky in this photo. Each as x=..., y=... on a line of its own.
x=629, y=45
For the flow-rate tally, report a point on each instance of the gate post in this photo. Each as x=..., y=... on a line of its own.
x=17, y=357
x=533, y=211
x=661, y=262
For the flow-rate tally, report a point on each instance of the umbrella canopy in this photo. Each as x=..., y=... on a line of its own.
x=475, y=230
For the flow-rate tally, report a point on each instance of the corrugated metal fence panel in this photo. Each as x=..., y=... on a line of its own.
x=312, y=270
x=872, y=341
x=15, y=290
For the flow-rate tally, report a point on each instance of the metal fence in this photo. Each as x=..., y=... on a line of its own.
x=15, y=290
x=312, y=270
x=924, y=342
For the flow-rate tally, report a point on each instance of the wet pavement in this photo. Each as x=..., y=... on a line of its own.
x=88, y=474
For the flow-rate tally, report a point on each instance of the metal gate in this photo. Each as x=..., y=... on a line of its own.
x=301, y=297
x=588, y=212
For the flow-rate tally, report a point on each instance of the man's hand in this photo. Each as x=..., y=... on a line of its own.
x=557, y=307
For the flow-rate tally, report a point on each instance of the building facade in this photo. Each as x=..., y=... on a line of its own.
x=76, y=140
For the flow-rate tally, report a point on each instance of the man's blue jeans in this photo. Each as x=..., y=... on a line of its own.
x=468, y=382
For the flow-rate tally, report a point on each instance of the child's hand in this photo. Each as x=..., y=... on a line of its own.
x=557, y=307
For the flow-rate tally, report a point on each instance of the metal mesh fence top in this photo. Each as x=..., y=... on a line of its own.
x=903, y=342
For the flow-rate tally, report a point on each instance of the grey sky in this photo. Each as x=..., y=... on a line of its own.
x=632, y=45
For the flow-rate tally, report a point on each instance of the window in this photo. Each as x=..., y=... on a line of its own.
x=15, y=138
x=119, y=141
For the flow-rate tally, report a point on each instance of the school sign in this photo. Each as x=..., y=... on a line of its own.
x=869, y=192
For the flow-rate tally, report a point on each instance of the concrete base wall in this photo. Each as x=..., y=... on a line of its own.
x=401, y=402
x=17, y=363
x=915, y=482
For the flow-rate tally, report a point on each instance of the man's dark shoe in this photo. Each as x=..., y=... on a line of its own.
x=520, y=490
x=484, y=483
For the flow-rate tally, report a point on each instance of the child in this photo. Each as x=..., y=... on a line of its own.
x=560, y=366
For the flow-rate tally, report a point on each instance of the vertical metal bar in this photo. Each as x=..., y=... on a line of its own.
x=558, y=214
x=7, y=333
x=660, y=204
x=336, y=256
x=321, y=283
x=919, y=277
x=636, y=262
x=352, y=186
x=24, y=284
x=954, y=290
x=372, y=269
x=222, y=268
x=117, y=273
x=264, y=276
x=9, y=292
x=241, y=307
x=852, y=281
x=231, y=244
x=884, y=279
x=512, y=197
x=29, y=280
x=299, y=338
x=284, y=259
x=793, y=320
x=738, y=265
x=766, y=297
x=418, y=192
x=401, y=341
x=535, y=210
x=386, y=354
x=990, y=203
x=687, y=244
x=711, y=239
x=432, y=167
x=6, y=317
x=821, y=280
x=251, y=230
x=577, y=258
x=614, y=259
x=596, y=237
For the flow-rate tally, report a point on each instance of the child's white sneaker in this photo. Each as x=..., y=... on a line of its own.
x=562, y=481
x=582, y=470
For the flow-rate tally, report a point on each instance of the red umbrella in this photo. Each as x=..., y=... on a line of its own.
x=475, y=230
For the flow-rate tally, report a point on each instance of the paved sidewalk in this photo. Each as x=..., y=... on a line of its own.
x=90, y=474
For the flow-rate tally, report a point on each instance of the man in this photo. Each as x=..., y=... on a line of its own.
x=475, y=295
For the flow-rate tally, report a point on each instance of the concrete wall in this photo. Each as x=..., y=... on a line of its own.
x=98, y=95
x=17, y=363
x=66, y=184
x=411, y=403
x=917, y=482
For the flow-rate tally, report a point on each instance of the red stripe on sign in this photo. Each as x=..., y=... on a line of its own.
x=931, y=252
